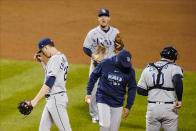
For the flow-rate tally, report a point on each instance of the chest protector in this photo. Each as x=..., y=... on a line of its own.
x=157, y=85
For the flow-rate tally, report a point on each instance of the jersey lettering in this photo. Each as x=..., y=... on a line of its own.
x=114, y=79
x=96, y=37
x=65, y=75
x=57, y=66
x=104, y=42
x=64, y=68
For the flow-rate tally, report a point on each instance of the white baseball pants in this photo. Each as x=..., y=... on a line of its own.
x=109, y=117
x=55, y=112
x=93, y=110
x=161, y=115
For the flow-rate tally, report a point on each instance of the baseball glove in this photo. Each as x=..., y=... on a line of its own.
x=118, y=42
x=100, y=52
x=25, y=107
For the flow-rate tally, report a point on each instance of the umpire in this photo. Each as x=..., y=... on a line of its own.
x=162, y=83
x=115, y=74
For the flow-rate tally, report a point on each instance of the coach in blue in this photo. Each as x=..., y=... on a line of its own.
x=115, y=75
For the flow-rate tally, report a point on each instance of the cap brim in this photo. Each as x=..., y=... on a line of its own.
x=103, y=15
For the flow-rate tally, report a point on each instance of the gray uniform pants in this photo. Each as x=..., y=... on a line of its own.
x=161, y=115
x=93, y=105
x=55, y=112
x=109, y=117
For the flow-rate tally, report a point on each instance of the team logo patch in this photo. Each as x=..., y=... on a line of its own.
x=103, y=11
x=115, y=79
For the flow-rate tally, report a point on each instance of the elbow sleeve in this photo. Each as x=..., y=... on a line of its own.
x=141, y=91
x=50, y=81
x=87, y=51
x=178, y=85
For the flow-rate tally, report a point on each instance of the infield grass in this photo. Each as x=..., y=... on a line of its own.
x=21, y=80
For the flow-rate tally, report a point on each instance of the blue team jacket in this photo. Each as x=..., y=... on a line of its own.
x=112, y=83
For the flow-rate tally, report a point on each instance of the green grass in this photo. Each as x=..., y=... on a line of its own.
x=20, y=80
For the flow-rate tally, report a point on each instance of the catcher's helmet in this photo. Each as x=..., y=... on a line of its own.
x=170, y=53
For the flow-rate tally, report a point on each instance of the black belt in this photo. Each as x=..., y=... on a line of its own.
x=48, y=95
x=159, y=102
x=160, y=87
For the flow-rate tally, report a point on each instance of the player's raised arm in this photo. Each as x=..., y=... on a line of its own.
x=38, y=58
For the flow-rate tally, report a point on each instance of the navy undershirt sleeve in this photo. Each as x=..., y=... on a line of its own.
x=142, y=91
x=178, y=84
x=87, y=51
x=50, y=81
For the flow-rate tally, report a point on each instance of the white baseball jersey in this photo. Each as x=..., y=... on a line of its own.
x=97, y=36
x=57, y=66
x=149, y=76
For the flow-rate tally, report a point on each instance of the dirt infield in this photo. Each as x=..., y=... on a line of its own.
x=147, y=27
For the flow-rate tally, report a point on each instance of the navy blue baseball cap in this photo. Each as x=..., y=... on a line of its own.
x=124, y=58
x=43, y=42
x=103, y=12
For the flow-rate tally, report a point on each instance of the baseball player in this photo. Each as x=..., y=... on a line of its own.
x=162, y=83
x=99, y=44
x=115, y=75
x=53, y=87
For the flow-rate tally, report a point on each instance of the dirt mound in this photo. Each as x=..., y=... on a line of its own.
x=147, y=27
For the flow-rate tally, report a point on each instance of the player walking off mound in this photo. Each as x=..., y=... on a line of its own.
x=100, y=44
x=115, y=75
x=53, y=87
x=162, y=83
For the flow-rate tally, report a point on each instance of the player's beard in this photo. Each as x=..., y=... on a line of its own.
x=103, y=26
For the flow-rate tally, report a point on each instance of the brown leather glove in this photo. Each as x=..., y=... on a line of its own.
x=119, y=45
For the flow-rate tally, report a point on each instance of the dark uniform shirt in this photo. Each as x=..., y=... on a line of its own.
x=112, y=83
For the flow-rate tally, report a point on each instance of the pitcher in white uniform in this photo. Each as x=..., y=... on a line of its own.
x=102, y=35
x=162, y=83
x=53, y=87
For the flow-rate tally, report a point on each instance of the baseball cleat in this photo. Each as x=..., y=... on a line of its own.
x=94, y=120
